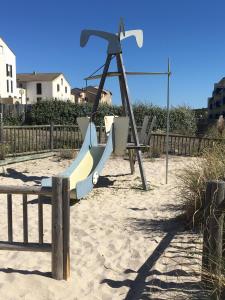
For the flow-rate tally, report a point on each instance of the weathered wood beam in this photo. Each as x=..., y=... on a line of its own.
x=27, y=190
x=17, y=246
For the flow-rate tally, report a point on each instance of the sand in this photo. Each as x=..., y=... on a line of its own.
x=125, y=243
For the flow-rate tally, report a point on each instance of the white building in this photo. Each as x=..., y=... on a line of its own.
x=44, y=86
x=8, y=89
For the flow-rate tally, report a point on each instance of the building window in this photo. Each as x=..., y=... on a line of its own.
x=58, y=88
x=65, y=89
x=210, y=106
x=39, y=99
x=218, y=103
x=21, y=85
x=7, y=86
x=61, y=81
x=39, y=89
x=11, y=86
x=8, y=70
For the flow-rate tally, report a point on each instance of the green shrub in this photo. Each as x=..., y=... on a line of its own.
x=182, y=118
x=155, y=152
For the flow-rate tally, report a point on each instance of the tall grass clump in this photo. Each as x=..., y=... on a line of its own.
x=193, y=178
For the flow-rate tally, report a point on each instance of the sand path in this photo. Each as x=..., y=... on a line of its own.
x=125, y=243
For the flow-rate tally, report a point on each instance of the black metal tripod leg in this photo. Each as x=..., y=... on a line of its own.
x=121, y=69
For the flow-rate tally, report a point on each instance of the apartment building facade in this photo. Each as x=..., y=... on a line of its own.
x=44, y=86
x=216, y=103
x=8, y=88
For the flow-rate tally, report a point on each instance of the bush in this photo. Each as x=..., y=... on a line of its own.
x=155, y=152
x=193, y=178
x=60, y=112
x=67, y=153
x=182, y=118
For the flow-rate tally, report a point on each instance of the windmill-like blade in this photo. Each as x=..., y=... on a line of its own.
x=138, y=34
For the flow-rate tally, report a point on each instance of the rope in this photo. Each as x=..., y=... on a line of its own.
x=92, y=114
x=113, y=56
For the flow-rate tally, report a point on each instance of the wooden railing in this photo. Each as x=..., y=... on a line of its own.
x=19, y=140
x=181, y=144
x=60, y=244
x=40, y=138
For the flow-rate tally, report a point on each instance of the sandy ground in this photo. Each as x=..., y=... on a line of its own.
x=125, y=243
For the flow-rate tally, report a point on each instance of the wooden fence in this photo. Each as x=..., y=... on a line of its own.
x=213, y=256
x=59, y=246
x=181, y=144
x=18, y=140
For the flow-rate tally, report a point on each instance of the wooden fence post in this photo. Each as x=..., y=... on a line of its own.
x=205, y=250
x=52, y=136
x=57, y=228
x=213, y=233
x=66, y=227
x=131, y=160
x=216, y=227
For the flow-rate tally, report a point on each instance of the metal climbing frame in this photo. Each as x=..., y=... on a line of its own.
x=115, y=50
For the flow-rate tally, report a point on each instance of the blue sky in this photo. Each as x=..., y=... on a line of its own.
x=45, y=37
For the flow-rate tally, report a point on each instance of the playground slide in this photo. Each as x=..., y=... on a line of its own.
x=85, y=169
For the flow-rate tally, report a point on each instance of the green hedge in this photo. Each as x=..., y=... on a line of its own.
x=182, y=118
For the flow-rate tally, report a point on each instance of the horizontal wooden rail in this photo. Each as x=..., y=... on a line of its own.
x=27, y=190
x=26, y=126
x=188, y=136
x=17, y=246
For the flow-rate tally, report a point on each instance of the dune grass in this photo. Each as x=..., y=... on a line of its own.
x=193, y=178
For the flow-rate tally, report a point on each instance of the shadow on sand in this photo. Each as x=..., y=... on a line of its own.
x=141, y=287
x=12, y=173
x=25, y=272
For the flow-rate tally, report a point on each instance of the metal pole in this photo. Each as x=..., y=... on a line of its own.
x=168, y=121
x=114, y=74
